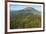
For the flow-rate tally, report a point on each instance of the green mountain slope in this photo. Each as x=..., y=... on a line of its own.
x=25, y=18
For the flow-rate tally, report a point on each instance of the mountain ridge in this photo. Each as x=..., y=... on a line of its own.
x=26, y=10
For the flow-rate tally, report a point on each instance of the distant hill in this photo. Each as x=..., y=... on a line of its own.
x=26, y=11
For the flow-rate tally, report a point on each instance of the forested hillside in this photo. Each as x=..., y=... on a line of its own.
x=25, y=18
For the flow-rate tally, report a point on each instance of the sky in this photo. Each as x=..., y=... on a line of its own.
x=20, y=7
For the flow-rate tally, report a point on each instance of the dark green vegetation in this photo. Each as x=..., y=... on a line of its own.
x=26, y=18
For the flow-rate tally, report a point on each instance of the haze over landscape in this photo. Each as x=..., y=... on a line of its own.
x=19, y=7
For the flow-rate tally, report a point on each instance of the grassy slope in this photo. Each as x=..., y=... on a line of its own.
x=25, y=21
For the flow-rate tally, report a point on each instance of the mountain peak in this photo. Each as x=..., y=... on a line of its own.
x=28, y=8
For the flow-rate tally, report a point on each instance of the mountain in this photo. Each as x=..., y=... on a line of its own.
x=26, y=11
x=32, y=10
